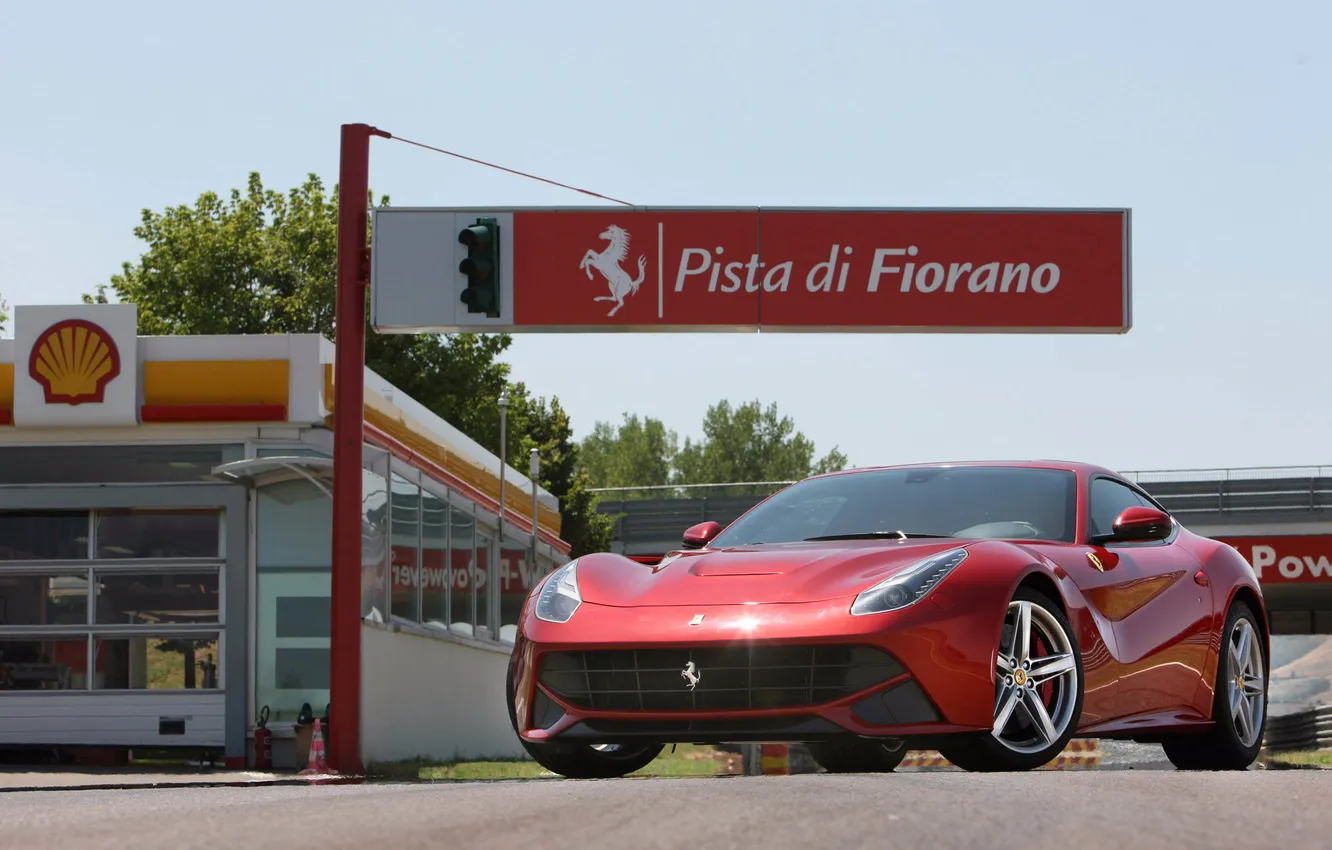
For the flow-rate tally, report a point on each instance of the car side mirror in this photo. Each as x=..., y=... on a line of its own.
x=1138, y=524
x=701, y=535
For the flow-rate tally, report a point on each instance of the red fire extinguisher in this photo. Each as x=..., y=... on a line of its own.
x=263, y=742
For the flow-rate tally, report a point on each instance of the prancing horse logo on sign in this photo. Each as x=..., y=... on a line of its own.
x=608, y=263
x=691, y=675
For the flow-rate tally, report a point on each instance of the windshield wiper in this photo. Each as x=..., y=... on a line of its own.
x=874, y=535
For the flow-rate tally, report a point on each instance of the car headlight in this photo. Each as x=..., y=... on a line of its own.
x=559, y=597
x=910, y=585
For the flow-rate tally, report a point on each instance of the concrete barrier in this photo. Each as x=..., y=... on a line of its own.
x=783, y=760
x=1080, y=753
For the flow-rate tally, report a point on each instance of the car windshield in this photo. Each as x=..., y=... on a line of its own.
x=954, y=501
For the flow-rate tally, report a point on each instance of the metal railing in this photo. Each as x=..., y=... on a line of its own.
x=650, y=517
x=1138, y=476
x=686, y=491
x=1238, y=473
x=1305, y=730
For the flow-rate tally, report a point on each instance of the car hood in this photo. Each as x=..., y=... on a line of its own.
x=798, y=572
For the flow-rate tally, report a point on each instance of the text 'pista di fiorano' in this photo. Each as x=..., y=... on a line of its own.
x=895, y=269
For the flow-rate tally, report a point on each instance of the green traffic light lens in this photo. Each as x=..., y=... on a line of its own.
x=475, y=268
x=477, y=235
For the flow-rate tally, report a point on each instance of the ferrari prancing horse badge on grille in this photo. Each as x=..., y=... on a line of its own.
x=691, y=675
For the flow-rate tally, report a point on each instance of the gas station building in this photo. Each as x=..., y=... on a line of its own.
x=165, y=548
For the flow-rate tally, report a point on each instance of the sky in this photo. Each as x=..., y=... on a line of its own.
x=1208, y=120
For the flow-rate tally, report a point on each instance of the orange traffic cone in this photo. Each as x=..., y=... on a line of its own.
x=317, y=763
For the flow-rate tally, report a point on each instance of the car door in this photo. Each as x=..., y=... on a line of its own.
x=1160, y=615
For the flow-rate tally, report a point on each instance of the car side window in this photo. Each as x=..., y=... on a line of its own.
x=1108, y=500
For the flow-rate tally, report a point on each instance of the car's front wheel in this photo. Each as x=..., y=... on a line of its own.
x=1038, y=691
x=583, y=761
x=1239, y=708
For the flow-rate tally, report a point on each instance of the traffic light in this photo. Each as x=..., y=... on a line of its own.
x=482, y=267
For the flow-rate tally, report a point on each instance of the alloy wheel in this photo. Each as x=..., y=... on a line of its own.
x=1248, y=683
x=1036, y=673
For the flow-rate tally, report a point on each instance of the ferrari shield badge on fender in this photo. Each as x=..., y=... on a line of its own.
x=698, y=618
x=691, y=675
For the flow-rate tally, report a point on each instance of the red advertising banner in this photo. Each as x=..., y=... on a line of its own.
x=1294, y=558
x=833, y=270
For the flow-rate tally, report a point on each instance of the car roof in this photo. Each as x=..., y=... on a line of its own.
x=1080, y=467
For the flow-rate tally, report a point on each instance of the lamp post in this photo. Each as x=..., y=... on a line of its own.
x=492, y=615
x=534, y=472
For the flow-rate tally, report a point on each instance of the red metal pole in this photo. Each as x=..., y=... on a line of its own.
x=348, y=436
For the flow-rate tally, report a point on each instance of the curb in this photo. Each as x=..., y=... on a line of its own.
x=206, y=783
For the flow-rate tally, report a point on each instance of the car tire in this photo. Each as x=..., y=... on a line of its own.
x=1230, y=744
x=1020, y=744
x=582, y=761
x=859, y=756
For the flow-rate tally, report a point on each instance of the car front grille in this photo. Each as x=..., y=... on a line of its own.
x=730, y=678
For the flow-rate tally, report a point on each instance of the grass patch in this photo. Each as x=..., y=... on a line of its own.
x=687, y=760
x=1319, y=757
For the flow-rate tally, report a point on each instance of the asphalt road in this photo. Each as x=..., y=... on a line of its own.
x=1054, y=809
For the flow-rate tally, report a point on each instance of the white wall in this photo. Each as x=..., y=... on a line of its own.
x=434, y=698
x=57, y=718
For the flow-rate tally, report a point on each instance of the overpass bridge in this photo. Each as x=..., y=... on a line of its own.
x=1280, y=518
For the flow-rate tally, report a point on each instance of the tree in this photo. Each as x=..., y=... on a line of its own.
x=751, y=443
x=546, y=427
x=262, y=262
x=4, y=315
x=639, y=452
x=744, y=443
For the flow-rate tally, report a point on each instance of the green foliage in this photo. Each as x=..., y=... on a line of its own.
x=638, y=452
x=4, y=314
x=740, y=443
x=546, y=427
x=261, y=262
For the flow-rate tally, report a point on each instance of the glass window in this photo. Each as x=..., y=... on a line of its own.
x=43, y=664
x=461, y=558
x=294, y=522
x=178, y=596
x=374, y=539
x=44, y=600
x=435, y=569
x=517, y=575
x=292, y=653
x=43, y=535
x=961, y=501
x=481, y=579
x=404, y=566
x=1108, y=500
x=113, y=464
x=156, y=663
x=159, y=533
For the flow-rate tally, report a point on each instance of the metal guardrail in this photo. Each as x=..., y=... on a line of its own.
x=657, y=517
x=1139, y=476
x=1237, y=473
x=1238, y=490
x=664, y=490
x=1305, y=730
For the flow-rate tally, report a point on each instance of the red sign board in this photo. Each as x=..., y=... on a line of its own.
x=835, y=270
x=1296, y=558
x=810, y=269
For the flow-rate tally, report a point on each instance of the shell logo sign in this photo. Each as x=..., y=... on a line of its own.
x=73, y=361
x=76, y=366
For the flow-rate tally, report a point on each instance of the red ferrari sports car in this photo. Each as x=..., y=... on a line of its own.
x=990, y=610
